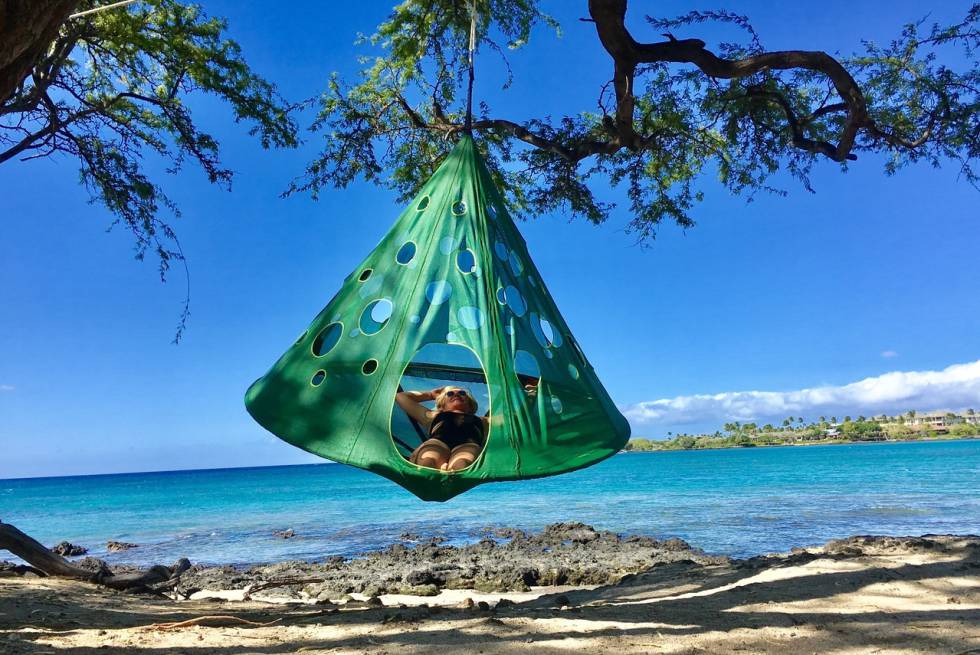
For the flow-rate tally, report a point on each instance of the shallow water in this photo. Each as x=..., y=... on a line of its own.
x=739, y=502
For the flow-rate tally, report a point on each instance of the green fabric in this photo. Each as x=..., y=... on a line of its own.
x=323, y=397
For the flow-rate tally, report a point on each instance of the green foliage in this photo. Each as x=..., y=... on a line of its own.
x=964, y=430
x=116, y=87
x=397, y=121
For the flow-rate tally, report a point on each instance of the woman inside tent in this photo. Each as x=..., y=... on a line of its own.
x=456, y=433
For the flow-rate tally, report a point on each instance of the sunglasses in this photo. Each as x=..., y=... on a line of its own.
x=452, y=393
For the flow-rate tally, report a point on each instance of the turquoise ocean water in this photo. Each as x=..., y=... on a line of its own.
x=739, y=502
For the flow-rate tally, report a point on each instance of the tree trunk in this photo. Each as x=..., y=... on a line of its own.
x=27, y=28
x=34, y=553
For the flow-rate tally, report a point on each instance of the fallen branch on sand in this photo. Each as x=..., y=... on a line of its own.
x=155, y=579
x=211, y=618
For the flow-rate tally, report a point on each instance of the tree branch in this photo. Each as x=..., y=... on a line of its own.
x=34, y=553
x=627, y=53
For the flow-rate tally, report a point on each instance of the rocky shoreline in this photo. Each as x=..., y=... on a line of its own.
x=505, y=560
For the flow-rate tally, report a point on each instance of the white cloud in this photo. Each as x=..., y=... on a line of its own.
x=955, y=387
x=888, y=354
x=7, y=387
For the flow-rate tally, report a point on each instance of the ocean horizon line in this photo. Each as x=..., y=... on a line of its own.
x=331, y=462
x=163, y=471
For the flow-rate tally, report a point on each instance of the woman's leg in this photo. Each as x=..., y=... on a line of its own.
x=433, y=454
x=464, y=455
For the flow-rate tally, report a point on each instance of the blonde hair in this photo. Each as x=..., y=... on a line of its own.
x=470, y=400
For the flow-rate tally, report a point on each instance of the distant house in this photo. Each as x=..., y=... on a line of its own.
x=938, y=421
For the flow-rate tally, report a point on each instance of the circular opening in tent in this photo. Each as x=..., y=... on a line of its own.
x=369, y=367
x=466, y=261
x=515, y=300
x=434, y=366
x=423, y=203
x=318, y=377
x=365, y=274
x=573, y=371
x=406, y=253
x=438, y=292
x=327, y=339
x=551, y=336
x=501, y=296
x=375, y=316
x=459, y=208
x=528, y=374
x=556, y=405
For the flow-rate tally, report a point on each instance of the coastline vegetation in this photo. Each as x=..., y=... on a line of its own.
x=796, y=431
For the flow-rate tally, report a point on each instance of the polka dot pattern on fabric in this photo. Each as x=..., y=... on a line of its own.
x=501, y=250
x=438, y=292
x=372, y=286
x=556, y=405
x=470, y=317
x=515, y=300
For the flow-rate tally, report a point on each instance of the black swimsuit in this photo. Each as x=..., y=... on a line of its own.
x=455, y=429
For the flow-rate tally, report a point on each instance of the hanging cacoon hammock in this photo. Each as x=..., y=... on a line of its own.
x=453, y=270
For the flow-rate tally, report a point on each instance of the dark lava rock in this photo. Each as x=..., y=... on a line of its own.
x=67, y=549
x=563, y=553
x=9, y=569
x=424, y=577
x=117, y=546
x=93, y=564
x=285, y=534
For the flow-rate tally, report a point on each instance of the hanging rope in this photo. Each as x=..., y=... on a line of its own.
x=469, y=90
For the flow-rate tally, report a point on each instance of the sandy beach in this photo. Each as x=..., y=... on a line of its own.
x=860, y=595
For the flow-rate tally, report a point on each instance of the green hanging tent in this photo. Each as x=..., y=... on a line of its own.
x=449, y=296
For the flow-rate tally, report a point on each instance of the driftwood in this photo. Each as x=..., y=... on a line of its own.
x=153, y=579
x=214, y=620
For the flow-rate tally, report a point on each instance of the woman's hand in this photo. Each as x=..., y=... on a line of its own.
x=435, y=393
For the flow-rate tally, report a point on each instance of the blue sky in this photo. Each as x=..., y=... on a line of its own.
x=871, y=279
